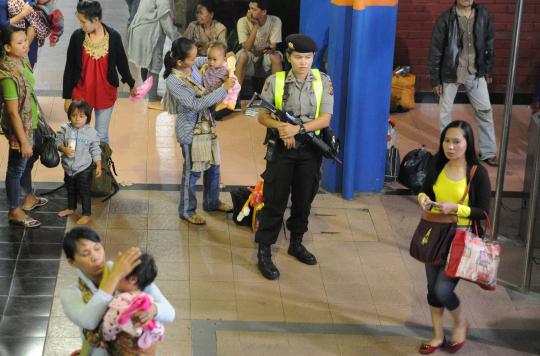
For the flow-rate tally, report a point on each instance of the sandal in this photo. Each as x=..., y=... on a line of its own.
x=224, y=207
x=28, y=222
x=40, y=201
x=194, y=219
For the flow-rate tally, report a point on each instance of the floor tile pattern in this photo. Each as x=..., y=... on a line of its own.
x=365, y=297
x=29, y=262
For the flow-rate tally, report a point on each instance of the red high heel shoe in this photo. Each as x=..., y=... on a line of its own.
x=454, y=347
x=426, y=349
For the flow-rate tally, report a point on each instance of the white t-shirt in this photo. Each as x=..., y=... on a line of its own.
x=267, y=34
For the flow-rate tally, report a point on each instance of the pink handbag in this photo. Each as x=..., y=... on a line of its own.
x=473, y=258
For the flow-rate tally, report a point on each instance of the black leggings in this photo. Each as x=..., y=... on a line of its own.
x=79, y=184
x=441, y=288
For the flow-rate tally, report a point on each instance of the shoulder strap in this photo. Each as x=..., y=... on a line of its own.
x=105, y=276
x=471, y=176
x=92, y=338
x=279, y=90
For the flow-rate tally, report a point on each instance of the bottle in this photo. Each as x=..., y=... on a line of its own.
x=72, y=140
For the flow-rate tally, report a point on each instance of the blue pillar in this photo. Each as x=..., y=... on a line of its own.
x=315, y=22
x=361, y=50
x=370, y=81
x=338, y=69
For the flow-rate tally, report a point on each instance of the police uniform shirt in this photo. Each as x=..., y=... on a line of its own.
x=299, y=97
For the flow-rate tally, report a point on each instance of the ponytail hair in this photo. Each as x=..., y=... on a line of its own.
x=6, y=33
x=179, y=51
x=169, y=62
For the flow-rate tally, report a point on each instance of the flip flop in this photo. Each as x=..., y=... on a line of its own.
x=40, y=201
x=224, y=207
x=28, y=222
x=194, y=219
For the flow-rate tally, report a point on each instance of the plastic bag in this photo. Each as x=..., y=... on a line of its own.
x=402, y=97
x=143, y=89
x=413, y=169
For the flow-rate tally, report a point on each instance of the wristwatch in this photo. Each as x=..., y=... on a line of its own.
x=302, y=129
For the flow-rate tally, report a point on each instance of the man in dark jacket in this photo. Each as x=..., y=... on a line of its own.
x=462, y=54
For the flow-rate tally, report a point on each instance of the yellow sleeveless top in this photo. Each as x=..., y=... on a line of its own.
x=452, y=191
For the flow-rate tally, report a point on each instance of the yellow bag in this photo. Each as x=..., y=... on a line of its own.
x=403, y=91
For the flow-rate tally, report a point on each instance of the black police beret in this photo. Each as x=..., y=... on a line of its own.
x=301, y=43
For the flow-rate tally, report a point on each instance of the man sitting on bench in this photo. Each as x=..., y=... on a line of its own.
x=258, y=34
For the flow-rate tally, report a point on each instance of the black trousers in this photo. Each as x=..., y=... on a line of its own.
x=295, y=172
x=79, y=185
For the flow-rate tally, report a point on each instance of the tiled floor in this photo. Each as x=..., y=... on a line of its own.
x=365, y=297
x=29, y=261
x=145, y=150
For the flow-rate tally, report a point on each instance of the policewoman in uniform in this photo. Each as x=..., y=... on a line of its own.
x=295, y=167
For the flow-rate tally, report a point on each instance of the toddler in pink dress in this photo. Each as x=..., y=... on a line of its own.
x=120, y=317
x=215, y=72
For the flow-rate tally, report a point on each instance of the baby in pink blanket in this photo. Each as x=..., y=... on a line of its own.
x=218, y=69
x=120, y=317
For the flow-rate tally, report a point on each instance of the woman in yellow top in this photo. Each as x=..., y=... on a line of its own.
x=19, y=120
x=445, y=184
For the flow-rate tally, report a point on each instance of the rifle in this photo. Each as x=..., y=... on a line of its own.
x=284, y=116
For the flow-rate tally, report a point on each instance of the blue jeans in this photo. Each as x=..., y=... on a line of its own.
x=33, y=52
x=188, y=200
x=103, y=120
x=18, y=176
x=441, y=288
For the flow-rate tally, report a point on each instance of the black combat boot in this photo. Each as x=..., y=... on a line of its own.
x=301, y=253
x=265, y=264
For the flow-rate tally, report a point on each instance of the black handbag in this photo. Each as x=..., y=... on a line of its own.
x=45, y=144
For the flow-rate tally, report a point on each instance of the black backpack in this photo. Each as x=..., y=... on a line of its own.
x=106, y=185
